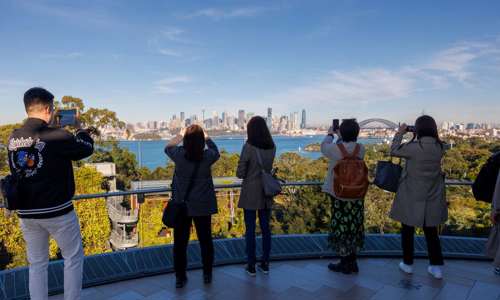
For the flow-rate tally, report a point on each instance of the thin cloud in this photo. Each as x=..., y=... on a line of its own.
x=169, y=52
x=457, y=62
x=173, y=34
x=219, y=14
x=70, y=55
x=70, y=11
x=169, y=85
x=353, y=86
x=455, y=65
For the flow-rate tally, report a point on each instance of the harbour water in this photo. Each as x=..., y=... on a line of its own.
x=150, y=153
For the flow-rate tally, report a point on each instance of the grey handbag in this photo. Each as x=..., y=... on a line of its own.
x=271, y=184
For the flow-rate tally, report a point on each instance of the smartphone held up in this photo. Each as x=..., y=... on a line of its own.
x=335, y=125
x=66, y=117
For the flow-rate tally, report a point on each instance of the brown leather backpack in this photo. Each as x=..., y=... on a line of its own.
x=350, y=175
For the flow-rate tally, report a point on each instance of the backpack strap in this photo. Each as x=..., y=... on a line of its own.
x=346, y=154
x=355, y=153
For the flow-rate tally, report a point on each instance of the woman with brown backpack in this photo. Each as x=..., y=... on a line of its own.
x=346, y=184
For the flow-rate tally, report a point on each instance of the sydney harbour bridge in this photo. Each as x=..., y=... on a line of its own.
x=376, y=123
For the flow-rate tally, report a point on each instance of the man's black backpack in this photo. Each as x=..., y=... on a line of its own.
x=484, y=185
x=9, y=187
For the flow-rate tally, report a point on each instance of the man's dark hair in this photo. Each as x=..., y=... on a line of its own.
x=37, y=96
x=349, y=130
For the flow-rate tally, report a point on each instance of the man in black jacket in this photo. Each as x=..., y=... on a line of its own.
x=40, y=156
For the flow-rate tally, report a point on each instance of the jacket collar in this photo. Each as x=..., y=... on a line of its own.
x=35, y=123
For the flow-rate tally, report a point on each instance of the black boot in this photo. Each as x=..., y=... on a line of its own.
x=207, y=278
x=180, y=282
x=341, y=267
x=353, y=263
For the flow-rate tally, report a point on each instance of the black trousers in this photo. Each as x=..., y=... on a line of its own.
x=203, y=227
x=433, y=245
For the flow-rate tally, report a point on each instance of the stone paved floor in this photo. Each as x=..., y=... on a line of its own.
x=310, y=279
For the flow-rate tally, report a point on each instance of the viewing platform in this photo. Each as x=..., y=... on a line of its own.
x=298, y=268
x=379, y=279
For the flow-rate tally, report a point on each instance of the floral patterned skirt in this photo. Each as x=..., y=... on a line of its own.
x=347, y=235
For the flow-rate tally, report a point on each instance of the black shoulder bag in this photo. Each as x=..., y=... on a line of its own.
x=177, y=210
x=10, y=184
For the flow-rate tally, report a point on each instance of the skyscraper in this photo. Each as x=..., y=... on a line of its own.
x=269, y=119
x=241, y=119
x=303, y=124
x=183, y=116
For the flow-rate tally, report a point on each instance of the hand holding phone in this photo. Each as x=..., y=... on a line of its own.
x=66, y=117
x=335, y=125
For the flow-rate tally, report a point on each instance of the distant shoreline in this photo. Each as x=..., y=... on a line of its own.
x=225, y=137
x=243, y=137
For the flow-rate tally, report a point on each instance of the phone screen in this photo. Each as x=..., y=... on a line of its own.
x=335, y=124
x=66, y=117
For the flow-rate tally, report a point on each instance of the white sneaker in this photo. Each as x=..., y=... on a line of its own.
x=435, y=271
x=408, y=269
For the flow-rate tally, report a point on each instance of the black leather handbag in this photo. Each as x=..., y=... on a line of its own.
x=387, y=175
x=175, y=211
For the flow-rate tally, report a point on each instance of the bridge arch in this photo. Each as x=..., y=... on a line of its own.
x=389, y=124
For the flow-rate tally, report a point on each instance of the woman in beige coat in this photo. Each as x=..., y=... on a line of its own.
x=421, y=196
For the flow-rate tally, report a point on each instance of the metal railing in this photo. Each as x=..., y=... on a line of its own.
x=166, y=190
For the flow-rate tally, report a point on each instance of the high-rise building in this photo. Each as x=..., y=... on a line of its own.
x=241, y=119
x=303, y=124
x=269, y=119
x=296, y=121
x=215, y=120
x=183, y=117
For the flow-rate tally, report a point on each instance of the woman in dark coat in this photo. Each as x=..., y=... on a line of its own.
x=193, y=178
x=252, y=199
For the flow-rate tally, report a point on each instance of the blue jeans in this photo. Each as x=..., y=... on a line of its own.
x=250, y=221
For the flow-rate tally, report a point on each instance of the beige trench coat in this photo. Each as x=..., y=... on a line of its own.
x=421, y=196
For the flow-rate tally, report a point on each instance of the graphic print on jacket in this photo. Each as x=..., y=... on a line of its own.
x=26, y=156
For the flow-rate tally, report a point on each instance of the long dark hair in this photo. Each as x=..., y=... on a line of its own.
x=194, y=143
x=258, y=134
x=425, y=126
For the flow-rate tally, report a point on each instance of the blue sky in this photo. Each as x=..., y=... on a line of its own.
x=150, y=59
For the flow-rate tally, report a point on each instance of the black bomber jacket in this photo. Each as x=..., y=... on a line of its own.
x=41, y=158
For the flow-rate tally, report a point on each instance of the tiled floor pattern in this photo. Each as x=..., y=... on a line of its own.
x=310, y=279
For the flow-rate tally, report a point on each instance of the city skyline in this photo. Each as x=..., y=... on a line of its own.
x=335, y=59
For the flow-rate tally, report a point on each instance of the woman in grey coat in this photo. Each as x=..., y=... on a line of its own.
x=252, y=199
x=193, y=184
x=421, y=196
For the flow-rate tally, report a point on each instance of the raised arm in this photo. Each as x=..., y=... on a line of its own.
x=329, y=149
x=172, y=149
x=75, y=147
x=213, y=151
x=398, y=149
